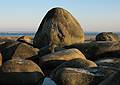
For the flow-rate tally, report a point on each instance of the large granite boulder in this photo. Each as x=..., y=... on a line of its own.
x=78, y=76
x=51, y=61
x=107, y=36
x=98, y=49
x=21, y=78
x=58, y=29
x=20, y=65
x=17, y=49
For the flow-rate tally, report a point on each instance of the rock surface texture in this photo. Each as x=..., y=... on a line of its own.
x=58, y=29
x=107, y=36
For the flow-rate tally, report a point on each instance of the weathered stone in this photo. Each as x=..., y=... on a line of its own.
x=26, y=39
x=17, y=49
x=107, y=36
x=77, y=76
x=51, y=61
x=98, y=49
x=58, y=29
x=20, y=65
x=75, y=63
x=21, y=78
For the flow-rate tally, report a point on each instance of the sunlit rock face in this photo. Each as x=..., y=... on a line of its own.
x=58, y=28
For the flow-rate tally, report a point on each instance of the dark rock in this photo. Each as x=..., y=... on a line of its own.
x=113, y=63
x=17, y=49
x=19, y=65
x=107, y=36
x=21, y=78
x=99, y=49
x=78, y=76
x=114, y=79
x=26, y=39
x=0, y=59
x=4, y=44
x=58, y=29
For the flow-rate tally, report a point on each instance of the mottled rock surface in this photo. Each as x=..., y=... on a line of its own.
x=77, y=76
x=16, y=49
x=19, y=65
x=58, y=29
x=107, y=36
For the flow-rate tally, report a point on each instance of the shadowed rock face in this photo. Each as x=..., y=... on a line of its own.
x=78, y=76
x=114, y=79
x=58, y=28
x=16, y=49
x=107, y=36
x=21, y=78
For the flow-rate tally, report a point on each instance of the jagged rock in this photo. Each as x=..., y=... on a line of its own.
x=20, y=65
x=26, y=39
x=99, y=49
x=51, y=61
x=78, y=76
x=21, y=78
x=58, y=29
x=114, y=79
x=16, y=49
x=107, y=36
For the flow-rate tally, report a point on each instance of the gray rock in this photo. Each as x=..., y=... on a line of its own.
x=107, y=36
x=58, y=29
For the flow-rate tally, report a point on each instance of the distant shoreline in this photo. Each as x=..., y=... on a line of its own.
x=33, y=33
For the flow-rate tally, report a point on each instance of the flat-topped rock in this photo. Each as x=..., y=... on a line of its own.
x=98, y=49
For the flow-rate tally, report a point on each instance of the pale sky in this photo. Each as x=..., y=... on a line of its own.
x=93, y=15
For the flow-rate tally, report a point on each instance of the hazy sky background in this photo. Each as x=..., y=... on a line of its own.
x=93, y=15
